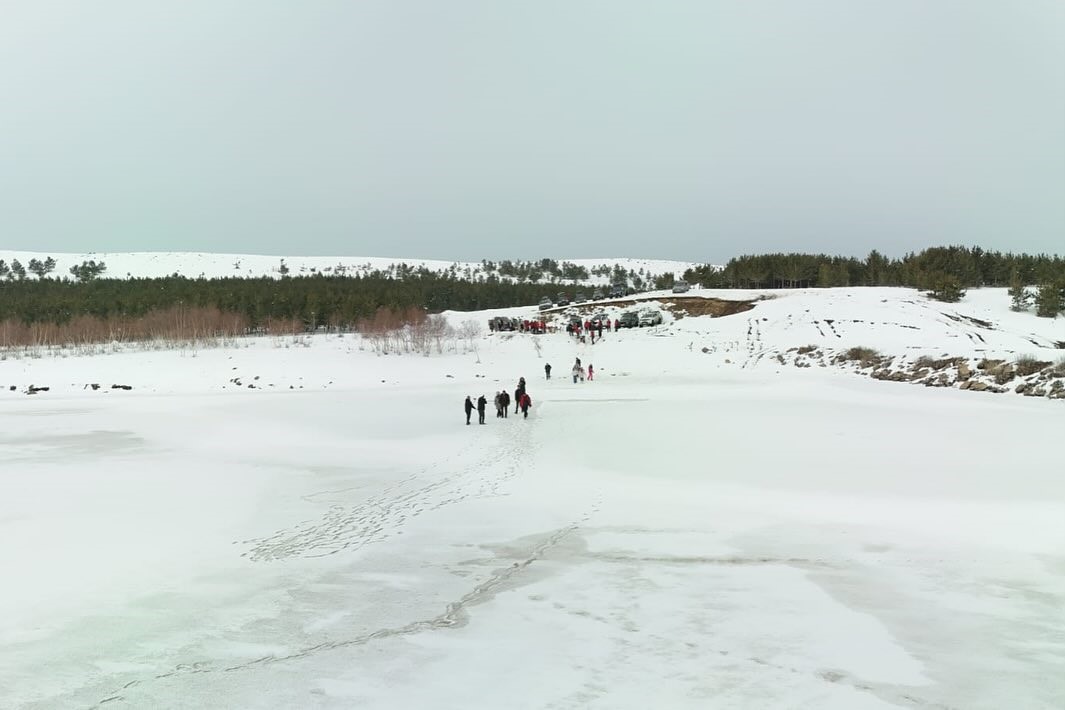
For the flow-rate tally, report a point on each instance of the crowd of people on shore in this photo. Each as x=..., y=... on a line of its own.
x=591, y=329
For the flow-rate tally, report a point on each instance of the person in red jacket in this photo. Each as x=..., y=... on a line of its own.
x=526, y=402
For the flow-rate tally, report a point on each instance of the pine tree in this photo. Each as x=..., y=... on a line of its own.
x=1019, y=296
x=945, y=287
x=88, y=270
x=1050, y=301
x=41, y=268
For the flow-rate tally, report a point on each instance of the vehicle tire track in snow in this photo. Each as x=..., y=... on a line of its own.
x=453, y=615
x=352, y=527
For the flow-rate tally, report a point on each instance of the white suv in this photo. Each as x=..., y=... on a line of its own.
x=650, y=317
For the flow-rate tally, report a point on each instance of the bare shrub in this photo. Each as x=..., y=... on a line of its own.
x=469, y=331
x=1028, y=365
x=177, y=323
x=409, y=330
x=807, y=349
x=866, y=357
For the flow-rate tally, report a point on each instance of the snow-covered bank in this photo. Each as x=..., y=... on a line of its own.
x=781, y=330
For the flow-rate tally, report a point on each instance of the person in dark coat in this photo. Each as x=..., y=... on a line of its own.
x=469, y=410
x=526, y=402
x=506, y=402
x=547, y=370
x=499, y=404
x=518, y=392
x=482, y=404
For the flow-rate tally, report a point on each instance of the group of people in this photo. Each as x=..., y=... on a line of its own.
x=579, y=371
x=502, y=323
x=521, y=399
x=593, y=329
x=522, y=403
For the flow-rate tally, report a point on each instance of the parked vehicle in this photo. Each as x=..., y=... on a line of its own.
x=597, y=295
x=580, y=297
x=618, y=290
x=629, y=319
x=502, y=323
x=650, y=317
x=680, y=287
x=562, y=300
x=545, y=303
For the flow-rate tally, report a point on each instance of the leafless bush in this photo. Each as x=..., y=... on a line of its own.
x=866, y=357
x=1028, y=365
x=469, y=331
x=176, y=324
x=408, y=330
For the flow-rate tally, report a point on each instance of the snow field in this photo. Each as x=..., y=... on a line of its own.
x=682, y=532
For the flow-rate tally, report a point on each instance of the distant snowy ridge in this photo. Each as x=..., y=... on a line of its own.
x=211, y=265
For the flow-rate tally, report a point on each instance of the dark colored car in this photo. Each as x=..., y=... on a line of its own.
x=562, y=300
x=630, y=319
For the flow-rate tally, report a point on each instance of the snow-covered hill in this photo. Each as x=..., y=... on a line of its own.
x=211, y=265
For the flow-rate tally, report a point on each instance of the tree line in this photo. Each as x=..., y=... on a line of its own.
x=972, y=267
x=339, y=302
x=945, y=272
x=344, y=301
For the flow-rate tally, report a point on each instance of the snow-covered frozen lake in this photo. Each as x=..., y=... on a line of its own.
x=664, y=537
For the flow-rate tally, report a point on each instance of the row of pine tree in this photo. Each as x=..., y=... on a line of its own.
x=342, y=301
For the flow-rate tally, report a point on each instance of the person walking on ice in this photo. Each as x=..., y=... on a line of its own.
x=526, y=402
x=482, y=404
x=518, y=392
x=547, y=370
x=591, y=372
x=576, y=372
x=469, y=409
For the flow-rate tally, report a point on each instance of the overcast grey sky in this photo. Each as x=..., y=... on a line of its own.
x=468, y=129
